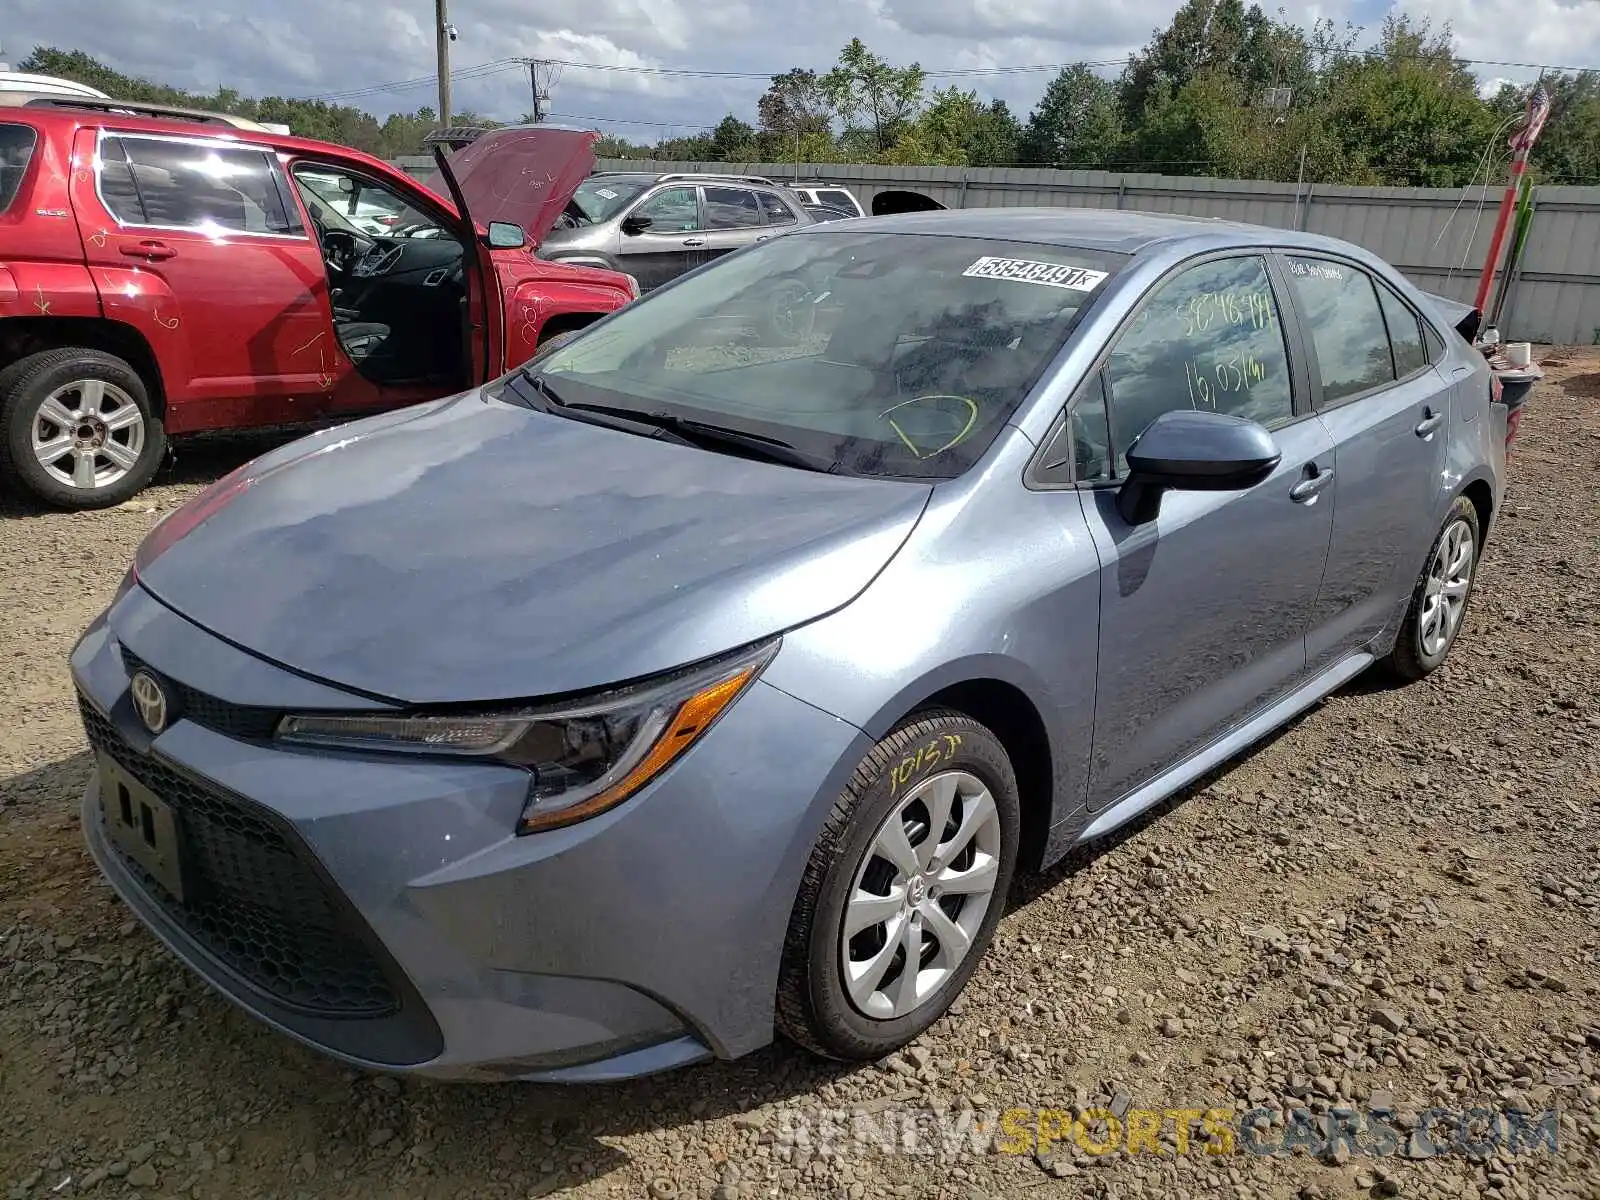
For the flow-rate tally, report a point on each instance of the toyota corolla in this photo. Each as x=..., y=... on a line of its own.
x=712, y=674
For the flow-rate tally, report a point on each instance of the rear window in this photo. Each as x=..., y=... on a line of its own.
x=837, y=200
x=16, y=150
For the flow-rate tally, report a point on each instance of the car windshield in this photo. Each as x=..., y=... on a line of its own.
x=599, y=198
x=873, y=353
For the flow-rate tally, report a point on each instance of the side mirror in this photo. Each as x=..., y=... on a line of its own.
x=635, y=225
x=1193, y=451
x=504, y=235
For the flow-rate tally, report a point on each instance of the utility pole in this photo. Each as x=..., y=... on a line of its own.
x=533, y=82
x=442, y=35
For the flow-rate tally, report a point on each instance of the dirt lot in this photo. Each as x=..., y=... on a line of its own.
x=1397, y=898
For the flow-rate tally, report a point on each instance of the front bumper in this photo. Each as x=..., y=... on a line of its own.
x=381, y=910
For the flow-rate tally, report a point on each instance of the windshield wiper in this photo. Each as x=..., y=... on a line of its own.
x=683, y=430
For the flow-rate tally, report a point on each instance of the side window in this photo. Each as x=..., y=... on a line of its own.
x=16, y=149
x=838, y=200
x=776, y=211
x=115, y=179
x=1346, y=326
x=674, y=210
x=1080, y=449
x=1208, y=338
x=342, y=201
x=1405, y=334
x=731, y=208
x=194, y=185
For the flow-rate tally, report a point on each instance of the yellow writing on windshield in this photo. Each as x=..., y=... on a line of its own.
x=1229, y=374
x=1205, y=311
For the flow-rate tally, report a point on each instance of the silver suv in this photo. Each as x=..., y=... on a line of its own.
x=656, y=227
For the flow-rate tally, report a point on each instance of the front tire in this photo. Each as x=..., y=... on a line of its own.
x=77, y=429
x=1438, y=607
x=903, y=889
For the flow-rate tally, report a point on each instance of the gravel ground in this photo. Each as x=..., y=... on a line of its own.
x=1393, y=903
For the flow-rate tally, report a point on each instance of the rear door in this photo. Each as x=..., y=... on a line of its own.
x=194, y=242
x=733, y=220
x=674, y=243
x=778, y=213
x=1388, y=410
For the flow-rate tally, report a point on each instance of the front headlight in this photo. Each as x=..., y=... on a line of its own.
x=583, y=758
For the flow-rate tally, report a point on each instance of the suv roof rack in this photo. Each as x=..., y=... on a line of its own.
x=131, y=107
x=762, y=179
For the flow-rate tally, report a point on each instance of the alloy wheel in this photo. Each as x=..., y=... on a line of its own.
x=920, y=894
x=1444, y=595
x=88, y=434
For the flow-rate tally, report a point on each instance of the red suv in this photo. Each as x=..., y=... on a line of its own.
x=164, y=273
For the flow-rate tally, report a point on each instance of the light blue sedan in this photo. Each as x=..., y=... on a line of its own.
x=714, y=673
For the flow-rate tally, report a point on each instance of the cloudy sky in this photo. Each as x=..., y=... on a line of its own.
x=379, y=54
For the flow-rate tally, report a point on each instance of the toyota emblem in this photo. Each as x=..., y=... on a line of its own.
x=149, y=701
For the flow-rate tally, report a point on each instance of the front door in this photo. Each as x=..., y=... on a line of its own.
x=674, y=242
x=395, y=302
x=192, y=242
x=1388, y=409
x=1203, y=610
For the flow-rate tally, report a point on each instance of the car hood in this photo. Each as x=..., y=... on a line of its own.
x=521, y=174
x=472, y=550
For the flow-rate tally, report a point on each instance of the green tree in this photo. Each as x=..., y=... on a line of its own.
x=734, y=141
x=1568, y=149
x=1409, y=113
x=873, y=96
x=1077, y=123
x=795, y=104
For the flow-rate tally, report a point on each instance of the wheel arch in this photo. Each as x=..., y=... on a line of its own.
x=1481, y=493
x=21, y=337
x=1003, y=695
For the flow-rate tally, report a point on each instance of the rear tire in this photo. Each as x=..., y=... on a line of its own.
x=1438, y=608
x=843, y=990
x=77, y=429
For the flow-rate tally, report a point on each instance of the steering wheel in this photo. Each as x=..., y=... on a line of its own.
x=377, y=259
x=959, y=414
x=340, y=247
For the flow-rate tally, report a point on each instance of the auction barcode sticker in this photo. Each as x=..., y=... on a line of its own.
x=1048, y=274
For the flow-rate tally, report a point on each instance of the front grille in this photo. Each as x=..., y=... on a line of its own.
x=230, y=720
x=254, y=899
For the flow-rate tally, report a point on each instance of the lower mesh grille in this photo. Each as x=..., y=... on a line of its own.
x=255, y=902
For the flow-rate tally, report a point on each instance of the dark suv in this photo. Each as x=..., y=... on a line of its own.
x=656, y=227
x=169, y=272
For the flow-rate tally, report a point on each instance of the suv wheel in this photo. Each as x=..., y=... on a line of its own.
x=77, y=430
x=903, y=890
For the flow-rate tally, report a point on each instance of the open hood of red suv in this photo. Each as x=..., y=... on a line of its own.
x=522, y=173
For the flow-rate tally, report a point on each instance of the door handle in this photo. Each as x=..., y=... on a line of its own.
x=154, y=251
x=763, y=237
x=1430, y=421
x=1308, y=488
x=694, y=241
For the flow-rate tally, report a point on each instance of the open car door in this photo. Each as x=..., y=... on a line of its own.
x=484, y=330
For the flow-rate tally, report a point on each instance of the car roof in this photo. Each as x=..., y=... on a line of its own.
x=96, y=114
x=1115, y=230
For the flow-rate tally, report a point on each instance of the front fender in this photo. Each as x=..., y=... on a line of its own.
x=531, y=305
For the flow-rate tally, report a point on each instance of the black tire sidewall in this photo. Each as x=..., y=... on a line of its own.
x=36, y=378
x=849, y=1033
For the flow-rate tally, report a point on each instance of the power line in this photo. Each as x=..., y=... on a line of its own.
x=495, y=66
